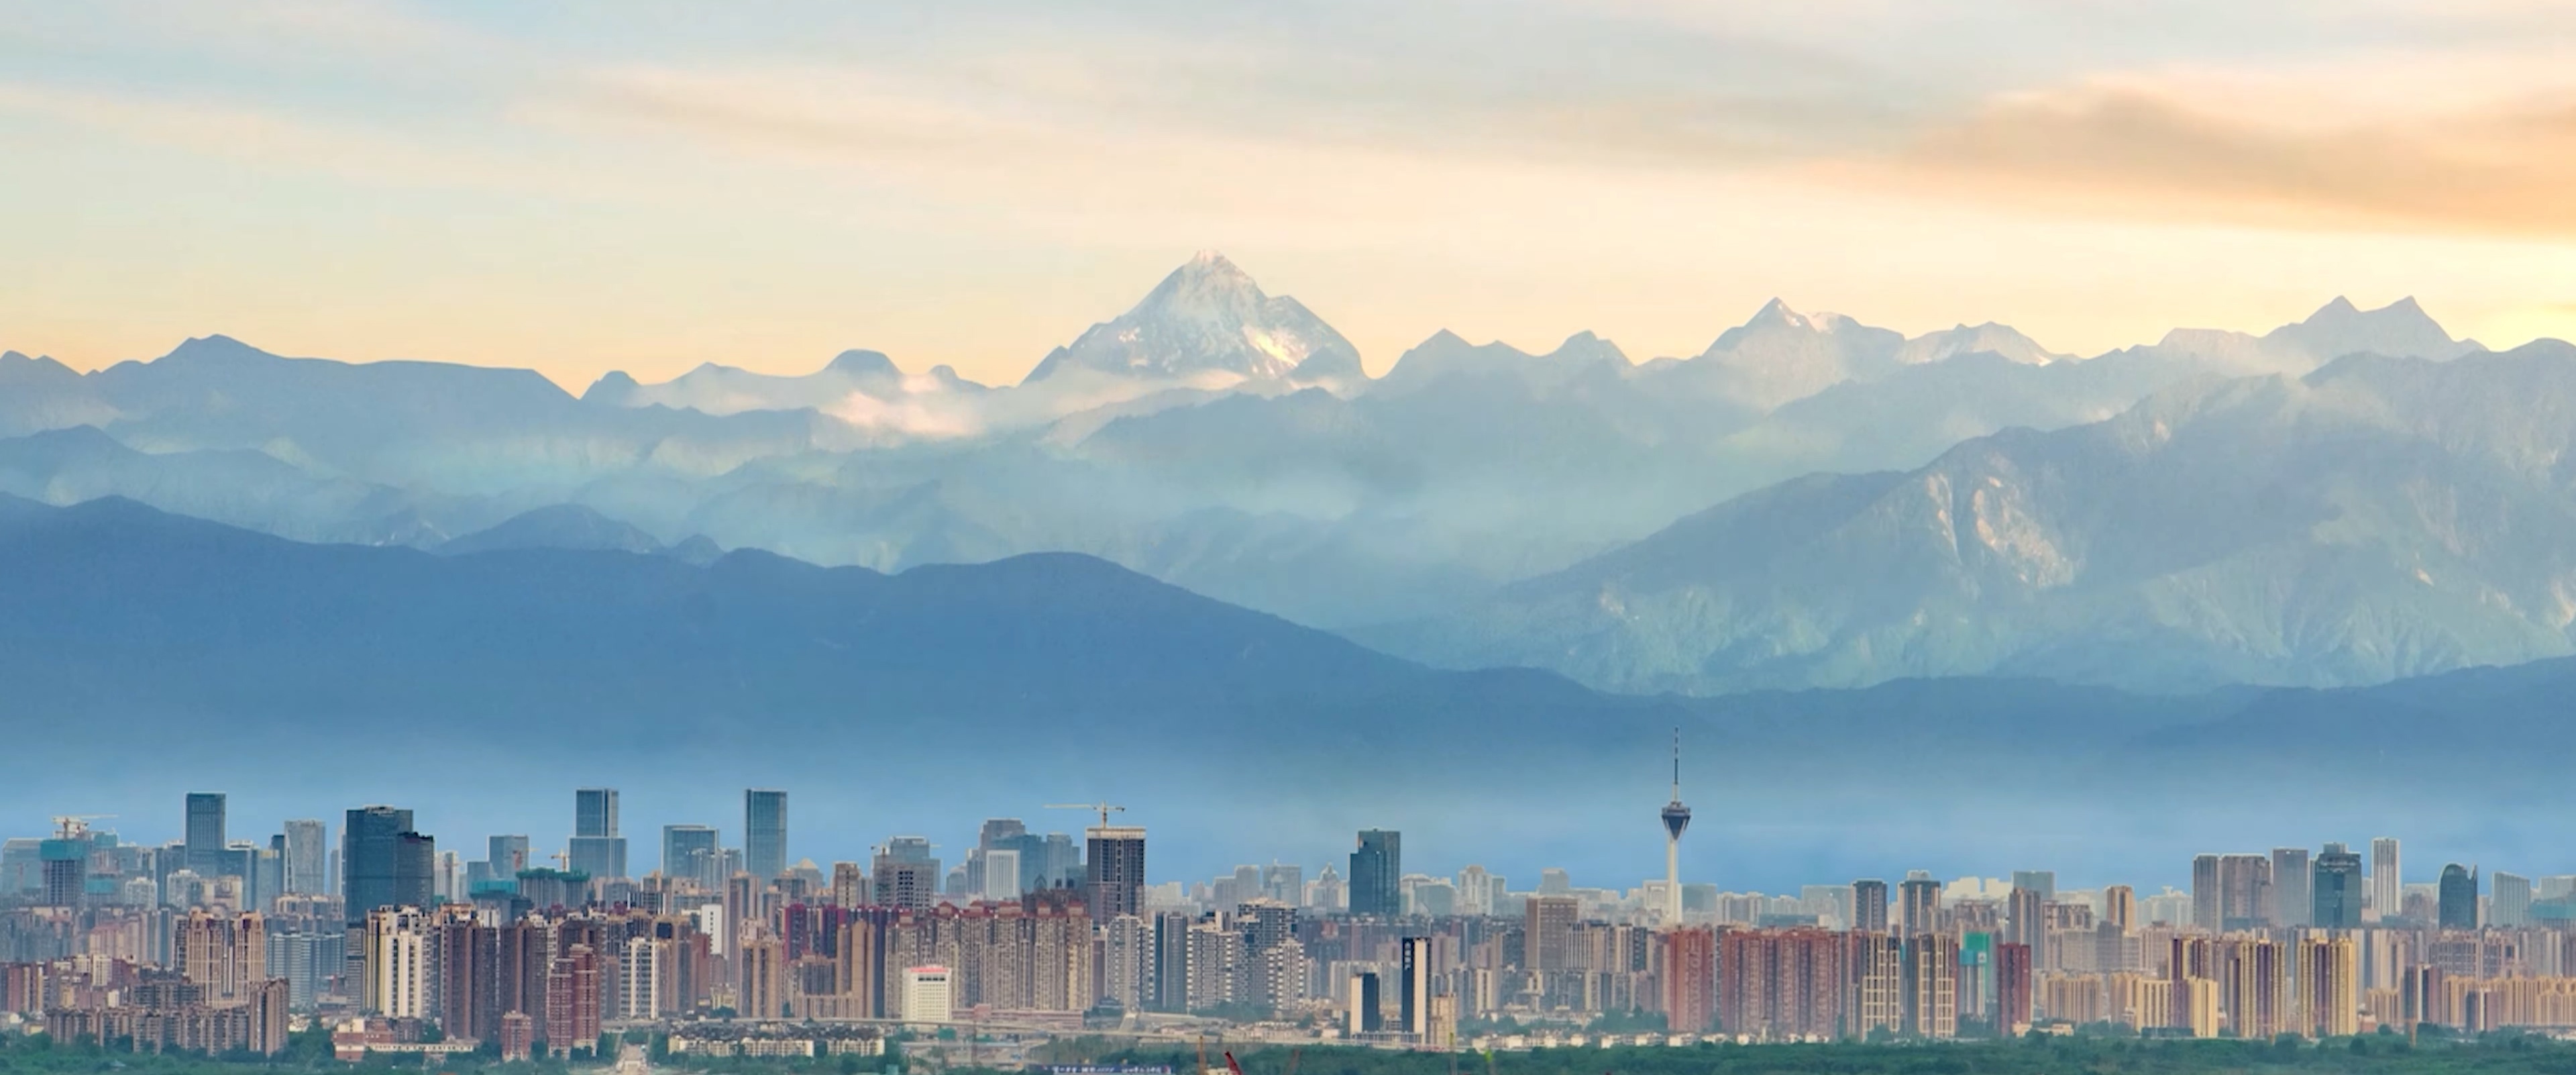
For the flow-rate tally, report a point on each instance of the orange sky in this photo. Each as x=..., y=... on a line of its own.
x=642, y=187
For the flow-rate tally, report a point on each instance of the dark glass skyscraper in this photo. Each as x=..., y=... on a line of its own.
x=764, y=833
x=2335, y=889
x=308, y=862
x=1919, y=901
x=2459, y=906
x=205, y=846
x=691, y=851
x=594, y=812
x=384, y=863
x=1375, y=868
x=597, y=849
x=1869, y=906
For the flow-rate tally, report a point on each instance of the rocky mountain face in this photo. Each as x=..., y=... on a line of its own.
x=2375, y=519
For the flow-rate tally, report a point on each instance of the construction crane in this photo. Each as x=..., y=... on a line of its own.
x=75, y=826
x=1105, y=809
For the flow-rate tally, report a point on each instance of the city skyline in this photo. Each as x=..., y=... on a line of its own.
x=2226, y=886
x=1010, y=536
x=2255, y=950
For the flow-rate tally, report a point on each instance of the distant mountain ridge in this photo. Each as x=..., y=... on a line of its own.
x=2376, y=519
x=480, y=687
x=1215, y=436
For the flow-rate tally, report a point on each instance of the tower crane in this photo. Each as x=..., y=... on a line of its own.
x=1104, y=809
x=75, y=826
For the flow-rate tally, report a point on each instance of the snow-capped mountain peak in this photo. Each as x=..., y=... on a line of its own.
x=1208, y=322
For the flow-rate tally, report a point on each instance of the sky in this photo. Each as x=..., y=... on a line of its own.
x=582, y=187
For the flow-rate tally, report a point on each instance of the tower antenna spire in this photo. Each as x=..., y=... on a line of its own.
x=1676, y=817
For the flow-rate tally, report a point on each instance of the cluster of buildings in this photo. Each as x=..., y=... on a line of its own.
x=209, y=943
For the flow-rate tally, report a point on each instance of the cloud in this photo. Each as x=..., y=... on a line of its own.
x=2269, y=152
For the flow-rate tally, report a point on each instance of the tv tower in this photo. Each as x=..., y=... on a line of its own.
x=1676, y=818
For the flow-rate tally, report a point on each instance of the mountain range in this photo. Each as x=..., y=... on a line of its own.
x=370, y=674
x=2376, y=519
x=1476, y=505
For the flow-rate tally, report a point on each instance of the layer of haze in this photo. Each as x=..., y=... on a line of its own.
x=593, y=186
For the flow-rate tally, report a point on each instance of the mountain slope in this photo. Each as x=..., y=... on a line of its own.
x=2379, y=518
x=481, y=688
x=559, y=526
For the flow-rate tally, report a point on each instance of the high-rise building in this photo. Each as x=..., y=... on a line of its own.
x=2387, y=884
x=396, y=957
x=1376, y=868
x=2205, y=896
x=1285, y=883
x=2244, y=886
x=2120, y=908
x=205, y=846
x=1690, y=979
x=2335, y=889
x=1127, y=962
x=596, y=848
x=849, y=885
x=1919, y=900
x=1931, y=985
x=1001, y=875
x=2330, y=985
x=1676, y=817
x=594, y=812
x=2509, y=900
x=2013, y=978
x=1878, y=984
x=1063, y=862
x=306, y=870
x=2043, y=882
x=65, y=866
x=384, y=862
x=2459, y=897
x=508, y=855
x=2254, y=987
x=1415, y=964
x=598, y=856
x=227, y=954
x=903, y=875
x=691, y=853
x=1547, y=932
x=1366, y=1013
x=1114, y=872
x=2291, y=902
x=764, y=833
x=2028, y=925
x=1172, y=932
x=1869, y=906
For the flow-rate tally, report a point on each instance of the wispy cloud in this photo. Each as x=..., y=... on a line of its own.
x=2491, y=161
